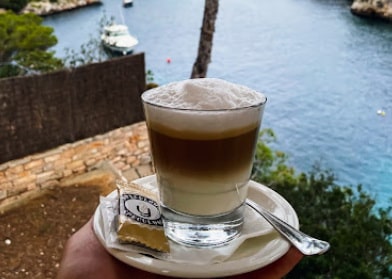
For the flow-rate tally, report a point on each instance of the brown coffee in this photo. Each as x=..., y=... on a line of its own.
x=193, y=163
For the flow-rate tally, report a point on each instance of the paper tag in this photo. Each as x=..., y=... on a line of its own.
x=139, y=218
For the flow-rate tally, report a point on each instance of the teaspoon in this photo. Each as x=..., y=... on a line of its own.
x=306, y=244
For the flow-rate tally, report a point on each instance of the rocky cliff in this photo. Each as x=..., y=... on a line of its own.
x=45, y=7
x=373, y=8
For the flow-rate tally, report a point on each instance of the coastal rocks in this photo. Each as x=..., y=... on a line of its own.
x=373, y=8
x=46, y=7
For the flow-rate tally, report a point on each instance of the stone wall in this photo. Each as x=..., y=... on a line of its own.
x=126, y=148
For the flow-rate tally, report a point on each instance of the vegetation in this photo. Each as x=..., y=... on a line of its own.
x=90, y=52
x=17, y=5
x=150, y=80
x=24, y=45
x=14, y=5
x=360, y=235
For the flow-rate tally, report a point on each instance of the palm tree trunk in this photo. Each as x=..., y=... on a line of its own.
x=203, y=58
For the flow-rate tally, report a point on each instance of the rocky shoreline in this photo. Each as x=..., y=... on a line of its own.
x=365, y=8
x=45, y=7
x=373, y=8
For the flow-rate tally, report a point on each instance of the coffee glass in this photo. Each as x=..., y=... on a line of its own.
x=203, y=134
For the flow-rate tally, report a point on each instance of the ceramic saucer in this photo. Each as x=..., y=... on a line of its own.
x=253, y=254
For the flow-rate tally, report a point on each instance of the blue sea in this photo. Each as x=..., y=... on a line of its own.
x=326, y=72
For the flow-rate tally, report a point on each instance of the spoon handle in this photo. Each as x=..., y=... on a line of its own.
x=303, y=242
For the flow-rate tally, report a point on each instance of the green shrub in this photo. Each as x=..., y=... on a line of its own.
x=25, y=42
x=359, y=233
x=8, y=70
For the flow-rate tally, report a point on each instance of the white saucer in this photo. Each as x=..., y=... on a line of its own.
x=253, y=254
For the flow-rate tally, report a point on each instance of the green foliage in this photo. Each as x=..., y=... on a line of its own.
x=360, y=234
x=9, y=70
x=14, y=5
x=44, y=61
x=24, y=43
x=150, y=80
x=89, y=52
x=270, y=165
x=149, y=76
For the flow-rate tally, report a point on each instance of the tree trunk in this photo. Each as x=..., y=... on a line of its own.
x=203, y=58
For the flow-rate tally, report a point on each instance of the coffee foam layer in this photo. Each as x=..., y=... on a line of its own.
x=203, y=106
x=203, y=94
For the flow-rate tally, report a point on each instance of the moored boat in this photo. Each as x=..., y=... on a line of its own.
x=127, y=3
x=116, y=38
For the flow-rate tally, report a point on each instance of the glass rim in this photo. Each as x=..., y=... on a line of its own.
x=256, y=105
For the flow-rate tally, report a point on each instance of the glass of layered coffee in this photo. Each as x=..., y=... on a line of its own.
x=203, y=134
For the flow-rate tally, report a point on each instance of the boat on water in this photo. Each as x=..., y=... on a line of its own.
x=127, y=3
x=117, y=39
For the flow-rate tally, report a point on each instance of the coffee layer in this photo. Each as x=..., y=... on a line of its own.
x=203, y=176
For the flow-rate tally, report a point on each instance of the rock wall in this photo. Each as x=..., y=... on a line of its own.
x=373, y=8
x=45, y=7
x=127, y=148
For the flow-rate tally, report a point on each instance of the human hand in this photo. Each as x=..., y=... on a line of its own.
x=84, y=257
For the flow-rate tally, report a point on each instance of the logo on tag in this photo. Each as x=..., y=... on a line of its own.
x=142, y=209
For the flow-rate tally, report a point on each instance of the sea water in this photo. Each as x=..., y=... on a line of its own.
x=326, y=72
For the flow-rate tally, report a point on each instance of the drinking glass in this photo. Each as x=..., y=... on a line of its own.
x=203, y=158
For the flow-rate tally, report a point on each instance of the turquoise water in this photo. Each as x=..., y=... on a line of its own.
x=325, y=72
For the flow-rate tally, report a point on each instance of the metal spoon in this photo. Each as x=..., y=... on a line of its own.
x=303, y=242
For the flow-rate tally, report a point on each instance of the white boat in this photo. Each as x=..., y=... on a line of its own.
x=127, y=3
x=116, y=38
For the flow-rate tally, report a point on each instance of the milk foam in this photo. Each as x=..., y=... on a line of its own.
x=203, y=94
x=206, y=105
